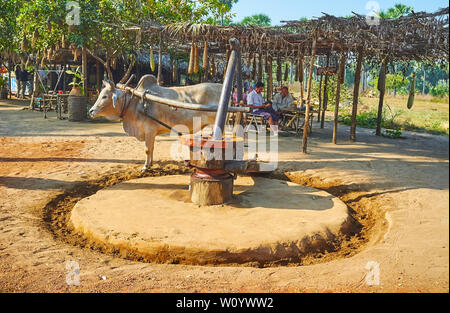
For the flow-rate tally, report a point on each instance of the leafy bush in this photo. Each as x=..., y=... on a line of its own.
x=440, y=90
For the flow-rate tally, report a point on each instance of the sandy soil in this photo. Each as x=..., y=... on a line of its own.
x=397, y=188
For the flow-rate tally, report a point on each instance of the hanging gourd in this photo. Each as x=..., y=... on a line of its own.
x=35, y=37
x=63, y=41
x=152, y=59
x=286, y=72
x=300, y=68
x=174, y=71
x=191, y=60
x=213, y=66
x=279, y=68
x=24, y=44
x=196, y=59
x=412, y=91
x=260, y=67
x=205, y=56
x=254, y=67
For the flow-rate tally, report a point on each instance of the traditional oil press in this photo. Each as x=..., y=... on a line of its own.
x=215, y=157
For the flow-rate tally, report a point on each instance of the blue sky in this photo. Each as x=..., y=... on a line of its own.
x=279, y=10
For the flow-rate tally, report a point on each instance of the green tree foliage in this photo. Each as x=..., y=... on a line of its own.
x=256, y=20
x=397, y=11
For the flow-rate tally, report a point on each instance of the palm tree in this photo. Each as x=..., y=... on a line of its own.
x=397, y=11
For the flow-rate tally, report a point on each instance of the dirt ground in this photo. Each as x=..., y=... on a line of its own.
x=398, y=190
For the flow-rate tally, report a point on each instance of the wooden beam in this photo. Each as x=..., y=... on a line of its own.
x=382, y=89
x=325, y=93
x=308, y=97
x=356, y=93
x=340, y=80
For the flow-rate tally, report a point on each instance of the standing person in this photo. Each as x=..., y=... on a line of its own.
x=255, y=101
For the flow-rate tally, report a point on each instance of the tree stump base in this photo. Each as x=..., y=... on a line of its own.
x=211, y=190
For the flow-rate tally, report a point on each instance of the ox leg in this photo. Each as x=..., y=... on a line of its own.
x=149, y=143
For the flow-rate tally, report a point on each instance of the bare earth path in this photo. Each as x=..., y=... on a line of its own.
x=406, y=180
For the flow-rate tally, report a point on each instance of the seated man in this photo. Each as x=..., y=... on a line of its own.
x=283, y=101
x=256, y=102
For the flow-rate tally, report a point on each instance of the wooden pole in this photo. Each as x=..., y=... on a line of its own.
x=320, y=97
x=325, y=93
x=382, y=89
x=356, y=93
x=84, y=70
x=308, y=97
x=340, y=80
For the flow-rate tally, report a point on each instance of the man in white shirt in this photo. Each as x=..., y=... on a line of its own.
x=283, y=100
x=255, y=101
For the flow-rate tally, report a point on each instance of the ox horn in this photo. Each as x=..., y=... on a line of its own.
x=109, y=83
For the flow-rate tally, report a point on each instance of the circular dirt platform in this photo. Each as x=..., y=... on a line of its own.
x=269, y=221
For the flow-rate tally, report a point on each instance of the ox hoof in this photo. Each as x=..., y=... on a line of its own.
x=145, y=169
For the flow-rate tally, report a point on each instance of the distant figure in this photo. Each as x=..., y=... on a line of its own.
x=235, y=97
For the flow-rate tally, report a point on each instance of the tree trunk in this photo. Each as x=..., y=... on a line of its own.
x=356, y=93
x=338, y=95
x=382, y=89
x=308, y=97
x=35, y=85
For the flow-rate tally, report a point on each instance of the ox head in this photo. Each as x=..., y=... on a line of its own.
x=107, y=102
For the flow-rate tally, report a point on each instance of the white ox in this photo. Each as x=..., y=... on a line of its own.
x=113, y=102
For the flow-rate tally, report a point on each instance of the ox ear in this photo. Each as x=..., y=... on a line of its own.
x=114, y=99
x=109, y=84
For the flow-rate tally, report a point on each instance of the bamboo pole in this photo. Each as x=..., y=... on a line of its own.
x=382, y=89
x=340, y=80
x=356, y=93
x=325, y=93
x=308, y=97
